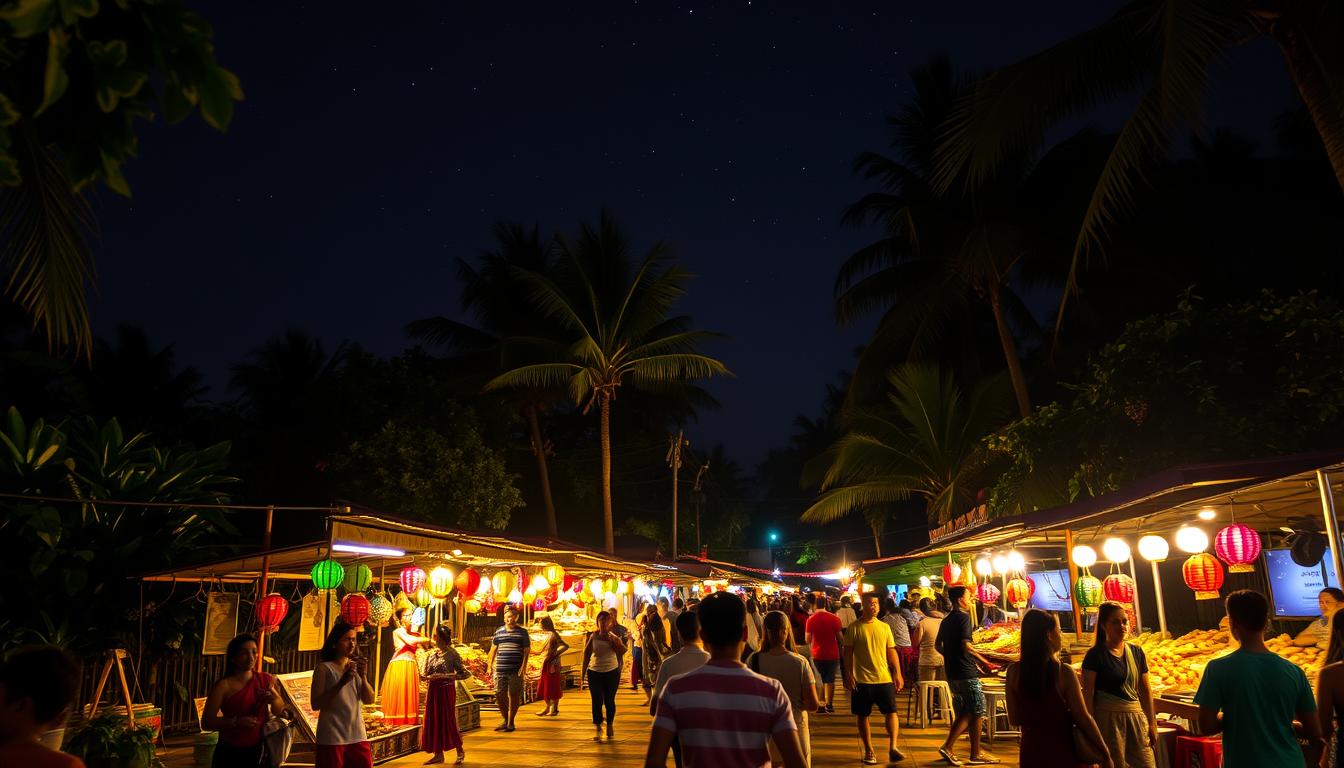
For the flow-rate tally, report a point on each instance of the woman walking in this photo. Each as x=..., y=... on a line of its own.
x=777, y=659
x=926, y=635
x=401, y=682
x=655, y=644
x=1115, y=688
x=753, y=623
x=338, y=690
x=239, y=705
x=443, y=668
x=551, y=686
x=1045, y=701
x=602, y=666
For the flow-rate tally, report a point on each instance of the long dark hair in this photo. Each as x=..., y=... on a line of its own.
x=1336, y=651
x=1038, y=668
x=235, y=647
x=1104, y=613
x=444, y=634
x=338, y=631
x=547, y=624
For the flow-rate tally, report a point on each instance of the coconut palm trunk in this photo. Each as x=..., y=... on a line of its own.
x=608, y=538
x=1312, y=85
x=1015, y=374
x=543, y=474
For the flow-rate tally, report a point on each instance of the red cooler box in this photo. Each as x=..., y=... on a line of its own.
x=1199, y=752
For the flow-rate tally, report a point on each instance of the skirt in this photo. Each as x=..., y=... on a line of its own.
x=1124, y=728
x=439, y=733
x=551, y=686
x=401, y=693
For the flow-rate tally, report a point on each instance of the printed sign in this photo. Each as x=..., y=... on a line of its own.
x=313, y=621
x=295, y=688
x=221, y=622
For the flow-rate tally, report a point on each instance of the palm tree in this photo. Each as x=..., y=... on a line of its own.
x=616, y=316
x=1165, y=49
x=944, y=255
x=491, y=291
x=928, y=443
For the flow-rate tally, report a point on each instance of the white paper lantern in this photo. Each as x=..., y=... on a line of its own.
x=1153, y=548
x=984, y=567
x=1084, y=556
x=1000, y=564
x=1192, y=540
x=1016, y=562
x=1115, y=550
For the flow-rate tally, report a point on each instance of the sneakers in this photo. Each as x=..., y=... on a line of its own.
x=948, y=756
x=869, y=759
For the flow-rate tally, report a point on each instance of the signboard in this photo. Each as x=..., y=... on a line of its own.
x=221, y=622
x=313, y=620
x=295, y=688
x=977, y=517
x=1295, y=588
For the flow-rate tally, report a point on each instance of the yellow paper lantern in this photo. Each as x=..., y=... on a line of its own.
x=609, y=585
x=554, y=574
x=472, y=605
x=423, y=598
x=440, y=582
x=539, y=584
x=503, y=582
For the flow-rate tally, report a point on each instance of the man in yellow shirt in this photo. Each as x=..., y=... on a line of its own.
x=872, y=676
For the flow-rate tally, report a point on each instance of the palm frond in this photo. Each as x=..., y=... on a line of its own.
x=539, y=376
x=450, y=334
x=675, y=367
x=551, y=301
x=839, y=502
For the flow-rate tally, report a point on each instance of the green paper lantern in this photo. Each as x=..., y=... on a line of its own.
x=327, y=574
x=358, y=578
x=1088, y=590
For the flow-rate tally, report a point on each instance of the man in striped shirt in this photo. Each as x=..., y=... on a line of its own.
x=723, y=713
x=509, y=649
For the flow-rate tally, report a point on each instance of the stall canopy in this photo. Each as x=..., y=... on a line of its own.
x=1260, y=492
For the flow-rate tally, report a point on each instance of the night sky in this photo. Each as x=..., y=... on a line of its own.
x=380, y=141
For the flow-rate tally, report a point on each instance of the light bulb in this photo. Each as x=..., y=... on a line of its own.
x=844, y=573
x=1115, y=550
x=1016, y=562
x=1153, y=548
x=1084, y=556
x=1207, y=514
x=984, y=567
x=1000, y=564
x=924, y=582
x=1192, y=540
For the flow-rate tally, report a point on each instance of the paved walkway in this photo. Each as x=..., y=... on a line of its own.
x=567, y=741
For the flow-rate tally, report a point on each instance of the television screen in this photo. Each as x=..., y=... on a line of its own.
x=898, y=591
x=1052, y=591
x=1295, y=588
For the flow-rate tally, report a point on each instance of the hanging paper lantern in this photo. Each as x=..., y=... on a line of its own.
x=968, y=575
x=551, y=596
x=1118, y=588
x=358, y=577
x=412, y=579
x=539, y=605
x=440, y=582
x=622, y=587
x=418, y=617
x=1238, y=545
x=423, y=598
x=1031, y=586
x=540, y=584
x=271, y=610
x=327, y=574
x=1204, y=574
x=951, y=574
x=570, y=584
x=468, y=581
x=553, y=574
x=609, y=585
x=490, y=605
x=355, y=609
x=988, y=593
x=516, y=598
x=380, y=610
x=1088, y=590
x=503, y=582
x=1018, y=592
x=472, y=605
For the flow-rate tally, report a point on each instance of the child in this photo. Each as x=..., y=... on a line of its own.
x=37, y=687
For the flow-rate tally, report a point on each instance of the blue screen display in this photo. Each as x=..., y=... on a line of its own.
x=1052, y=591
x=1295, y=588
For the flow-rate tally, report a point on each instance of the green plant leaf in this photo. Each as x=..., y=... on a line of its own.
x=74, y=10
x=54, y=80
x=29, y=18
x=9, y=114
x=218, y=89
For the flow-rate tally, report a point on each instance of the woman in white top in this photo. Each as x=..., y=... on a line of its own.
x=337, y=691
x=753, y=623
x=930, y=661
x=777, y=659
x=602, y=666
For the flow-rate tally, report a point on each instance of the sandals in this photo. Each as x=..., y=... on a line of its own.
x=462, y=758
x=869, y=759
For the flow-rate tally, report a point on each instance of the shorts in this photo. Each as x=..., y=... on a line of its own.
x=968, y=697
x=509, y=684
x=357, y=755
x=826, y=670
x=866, y=695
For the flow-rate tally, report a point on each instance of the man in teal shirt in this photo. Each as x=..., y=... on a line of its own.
x=1258, y=693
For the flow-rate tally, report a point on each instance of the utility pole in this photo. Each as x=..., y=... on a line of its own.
x=698, y=499
x=674, y=461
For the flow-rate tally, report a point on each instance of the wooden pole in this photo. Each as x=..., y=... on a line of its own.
x=1138, y=612
x=1331, y=520
x=674, y=461
x=265, y=579
x=378, y=644
x=1073, y=580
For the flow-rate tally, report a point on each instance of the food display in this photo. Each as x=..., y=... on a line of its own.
x=1176, y=664
x=1310, y=658
x=1002, y=639
x=477, y=663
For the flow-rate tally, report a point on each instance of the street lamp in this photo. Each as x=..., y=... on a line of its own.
x=774, y=539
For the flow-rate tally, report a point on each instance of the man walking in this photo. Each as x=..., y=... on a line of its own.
x=963, y=665
x=823, y=636
x=692, y=656
x=872, y=676
x=509, y=649
x=846, y=612
x=724, y=713
x=677, y=607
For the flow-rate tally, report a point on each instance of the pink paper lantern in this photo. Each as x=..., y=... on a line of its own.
x=1237, y=545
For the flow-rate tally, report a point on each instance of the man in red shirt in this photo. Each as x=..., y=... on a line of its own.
x=823, y=635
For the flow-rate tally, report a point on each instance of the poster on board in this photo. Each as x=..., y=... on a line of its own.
x=313, y=620
x=221, y=622
x=295, y=688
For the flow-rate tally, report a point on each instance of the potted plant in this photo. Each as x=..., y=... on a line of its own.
x=106, y=742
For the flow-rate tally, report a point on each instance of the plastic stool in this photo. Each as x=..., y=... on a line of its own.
x=996, y=706
x=925, y=705
x=1199, y=752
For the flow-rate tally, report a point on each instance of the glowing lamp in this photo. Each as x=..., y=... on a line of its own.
x=355, y=609
x=1016, y=562
x=327, y=574
x=516, y=597
x=467, y=582
x=1000, y=564
x=380, y=610
x=1115, y=550
x=951, y=574
x=472, y=605
x=1154, y=548
x=1119, y=588
x=1192, y=540
x=412, y=579
x=540, y=583
x=925, y=582
x=1088, y=591
x=1018, y=592
x=503, y=582
x=423, y=598
x=595, y=587
x=1084, y=556
x=1207, y=514
x=271, y=610
x=984, y=567
x=554, y=574
x=1238, y=545
x=987, y=593
x=440, y=582
x=358, y=578
x=1204, y=574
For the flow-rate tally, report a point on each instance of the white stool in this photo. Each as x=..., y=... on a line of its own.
x=996, y=706
x=926, y=690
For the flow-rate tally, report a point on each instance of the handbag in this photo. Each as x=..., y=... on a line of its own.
x=277, y=738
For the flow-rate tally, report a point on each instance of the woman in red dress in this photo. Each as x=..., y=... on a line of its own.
x=443, y=668
x=550, y=689
x=239, y=706
x=1046, y=700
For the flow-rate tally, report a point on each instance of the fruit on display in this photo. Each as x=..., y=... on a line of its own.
x=1177, y=664
x=1004, y=638
x=1310, y=659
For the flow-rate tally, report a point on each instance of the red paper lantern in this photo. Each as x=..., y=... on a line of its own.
x=1019, y=592
x=271, y=611
x=468, y=581
x=1118, y=588
x=951, y=574
x=355, y=609
x=412, y=579
x=1238, y=545
x=1204, y=574
x=569, y=582
x=1031, y=586
x=550, y=596
x=987, y=593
